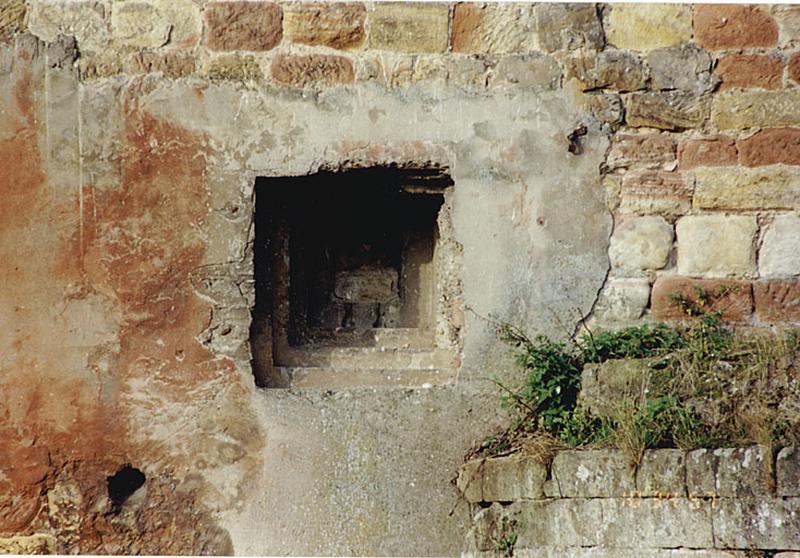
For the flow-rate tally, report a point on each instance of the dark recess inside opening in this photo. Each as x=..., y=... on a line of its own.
x=339, y=255
x=123, y=483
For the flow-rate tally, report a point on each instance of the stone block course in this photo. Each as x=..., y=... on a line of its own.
x=743, y=188
x=716, y=245
x=777, y=300
x=409, y=27
x=721, y=27
x=335, y=25
x=640, y=243
x=255, y=26
x=304, y=70
x=733, y=298
x=707, y=152
x=779, y=255
x=648, y=26
x=748, y=109
x=770, y=147
x=493, y=28
x=746, y=71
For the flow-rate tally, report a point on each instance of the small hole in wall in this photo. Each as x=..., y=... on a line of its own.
x=123, y=483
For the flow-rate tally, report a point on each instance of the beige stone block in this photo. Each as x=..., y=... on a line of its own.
x=623, y=300
x=779, y=255
x=337, y=25
x=740, y=188
x=568, y=26
x=748, y=109
x=28, y=544
x=649, y=26
x=788, y=19
x=716, y=245
x=186, y=24
x=640, y=243
x=409, y=27
x=86, y=21
x=494, y=28
x=139, y=24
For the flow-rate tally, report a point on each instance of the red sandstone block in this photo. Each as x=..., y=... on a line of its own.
x=794, y=67
x=709, y=152
x=770, y=147
x=729, y=26
x=750, y=70
x=677, y=298
x=253, y=26
x=777, y=301
x=653, y=150
x=302, y=70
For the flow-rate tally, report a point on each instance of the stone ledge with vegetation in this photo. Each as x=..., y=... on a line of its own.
x=683, y=435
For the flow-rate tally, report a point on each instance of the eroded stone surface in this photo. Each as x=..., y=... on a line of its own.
x=716, y=246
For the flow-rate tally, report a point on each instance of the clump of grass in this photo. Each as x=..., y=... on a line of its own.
x=709, y=388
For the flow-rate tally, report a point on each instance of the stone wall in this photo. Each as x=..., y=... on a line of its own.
x=131, y=137
x=722, y=503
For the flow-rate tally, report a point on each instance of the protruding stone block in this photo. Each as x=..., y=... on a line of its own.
x=640, y=243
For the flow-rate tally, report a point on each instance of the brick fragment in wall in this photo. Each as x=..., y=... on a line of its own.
x=620, y=70
x=686, y=67
x=409, y=27
x=770, y=147
x=336, y=25
x=777, y=300
x=721, y=27
x=707, y=152
x=568, y=26
x=787, y=473
x=495, y=28
x=666, y=110
x=744, y=71
x=255, y=26
x=640, y=243
x=659, y=192
x=538, y=72
x=751, y=109
x=716, y=245
x=648, y=26
x=303, y=70
x=654, y=151
x=622, y=300
x=794, y=67
x=747, y=188
x=779, y=255
x=733, y=298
